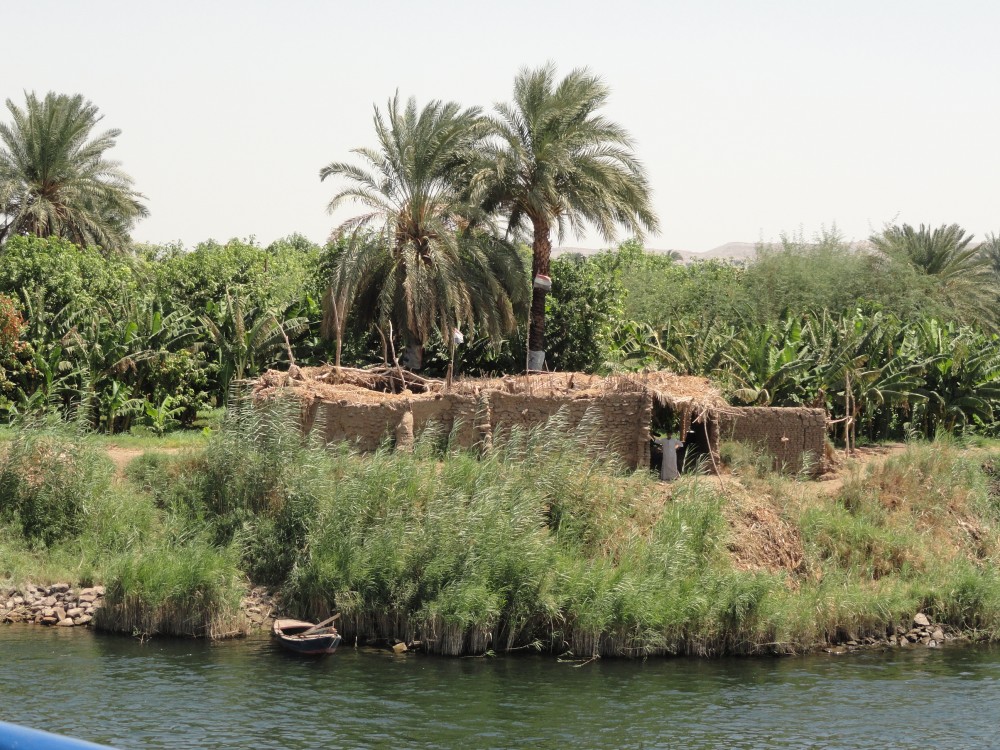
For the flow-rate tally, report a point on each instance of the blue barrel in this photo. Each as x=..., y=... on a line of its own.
x=13, y=737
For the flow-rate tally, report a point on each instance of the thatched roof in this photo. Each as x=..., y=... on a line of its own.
x=380, y=384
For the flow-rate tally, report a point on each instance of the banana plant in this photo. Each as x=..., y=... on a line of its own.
x=246, y=341
x=161, y=415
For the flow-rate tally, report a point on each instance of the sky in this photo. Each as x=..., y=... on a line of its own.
x=753, y=118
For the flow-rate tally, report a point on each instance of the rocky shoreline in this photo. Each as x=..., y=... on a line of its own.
x=58, y=604
x=62, y=605
x=921, y=633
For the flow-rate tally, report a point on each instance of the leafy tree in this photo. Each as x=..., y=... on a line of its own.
x=422, y=258
x=55, y=179
x=265, y=278
x=584, y=309
x=48, y=274
x=556, y=163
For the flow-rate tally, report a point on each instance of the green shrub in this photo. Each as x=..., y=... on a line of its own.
x=48, y=481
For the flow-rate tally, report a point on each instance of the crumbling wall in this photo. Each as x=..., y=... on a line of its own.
x=621, y=421
x=793, y=437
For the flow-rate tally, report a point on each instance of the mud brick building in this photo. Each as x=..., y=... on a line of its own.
x=620, y=413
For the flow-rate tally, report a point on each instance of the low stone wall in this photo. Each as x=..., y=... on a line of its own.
x=621, y=421
x=793, y=437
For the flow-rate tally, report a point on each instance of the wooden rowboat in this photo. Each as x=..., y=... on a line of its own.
x=305, y=637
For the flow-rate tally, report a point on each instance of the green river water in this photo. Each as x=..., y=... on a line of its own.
x=248, y=694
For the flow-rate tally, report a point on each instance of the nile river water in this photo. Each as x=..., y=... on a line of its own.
x=247, y=694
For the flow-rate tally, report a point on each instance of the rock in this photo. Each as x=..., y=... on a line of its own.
x=82, y=619
x=932, y=644
x=60, y=613
x=49, y=601
x=58, y=588
x=48, y=620
x=74, y=613
x=87, y=598
x=938, y=635
x=920, y=620
x=18, y=600
x=99, y=590
x=65, y=623
x=48, y=612
x=399, y=648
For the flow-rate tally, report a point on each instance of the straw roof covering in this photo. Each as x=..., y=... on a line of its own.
x=380, y=384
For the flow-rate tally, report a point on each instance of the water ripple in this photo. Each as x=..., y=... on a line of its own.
x=184, y=694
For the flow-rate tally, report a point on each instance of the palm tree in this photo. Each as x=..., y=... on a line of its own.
x=55, y=179
x=556, y=162
x=958, y=271
x=422, y=258
x=990, y=251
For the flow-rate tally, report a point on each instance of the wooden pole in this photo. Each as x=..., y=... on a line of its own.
x=320, y=625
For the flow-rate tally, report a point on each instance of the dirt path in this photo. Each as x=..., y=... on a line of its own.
x=122, y=457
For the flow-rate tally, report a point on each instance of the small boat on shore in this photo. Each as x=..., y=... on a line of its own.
x=307, y=638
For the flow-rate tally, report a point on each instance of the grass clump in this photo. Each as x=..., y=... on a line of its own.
x=48, y=481
x=190, y=588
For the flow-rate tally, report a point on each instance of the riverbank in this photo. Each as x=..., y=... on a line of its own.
x=532, y=546
x=62, y=605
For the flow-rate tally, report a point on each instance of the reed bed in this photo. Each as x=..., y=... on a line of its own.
x=192, y=589
x=538, y=542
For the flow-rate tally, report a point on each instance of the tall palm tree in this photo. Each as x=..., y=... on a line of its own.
x=55, y=179
x=555, y=162
x=958, y=272
x=422, y=258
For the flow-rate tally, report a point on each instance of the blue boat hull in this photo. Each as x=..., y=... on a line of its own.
x=14, y=737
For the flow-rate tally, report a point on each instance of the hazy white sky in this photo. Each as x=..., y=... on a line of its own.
x=752, y=117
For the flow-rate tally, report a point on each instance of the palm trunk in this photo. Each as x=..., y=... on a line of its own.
x=541, y=252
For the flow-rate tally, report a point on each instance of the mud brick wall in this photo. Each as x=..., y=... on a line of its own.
x=368, y=424
x=793, y=437
x=621, y=422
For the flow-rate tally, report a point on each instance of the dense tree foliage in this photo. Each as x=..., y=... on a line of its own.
x=154, y=336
